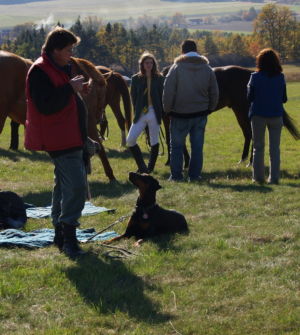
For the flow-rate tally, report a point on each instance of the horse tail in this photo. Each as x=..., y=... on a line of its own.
x=290, y=125
x=124, y=91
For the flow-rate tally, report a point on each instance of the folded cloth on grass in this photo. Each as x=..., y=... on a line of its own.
x=44, y=212
x=43, y=237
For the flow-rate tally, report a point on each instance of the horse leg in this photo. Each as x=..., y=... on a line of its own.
x=93, y=133
x=115, y=107
x=106, y=165
x=3, y=116
x=103, y=125
x=14, y=135
x=244, y=122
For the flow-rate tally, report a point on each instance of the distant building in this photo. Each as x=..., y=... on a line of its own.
x=196, y=21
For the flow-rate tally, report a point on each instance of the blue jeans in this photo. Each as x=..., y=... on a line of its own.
x=70, y=188
x=179, y=129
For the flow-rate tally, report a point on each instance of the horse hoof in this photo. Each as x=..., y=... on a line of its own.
x=113, y=181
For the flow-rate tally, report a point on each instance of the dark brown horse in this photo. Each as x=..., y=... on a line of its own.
x=116, y=88
x=12, y=97
x=232, y=82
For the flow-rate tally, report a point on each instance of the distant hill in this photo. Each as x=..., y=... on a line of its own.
x=18, y=2
x=211, y=0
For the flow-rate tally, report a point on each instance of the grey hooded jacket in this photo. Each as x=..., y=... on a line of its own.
x=190, y=86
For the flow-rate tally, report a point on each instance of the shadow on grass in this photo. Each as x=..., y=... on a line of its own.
x=218, y=178
x=110, y=190
x=243, y=188
x=16, y=155
x=38, y=199
x=124, y=154
x=165, y=242
x=109, y=286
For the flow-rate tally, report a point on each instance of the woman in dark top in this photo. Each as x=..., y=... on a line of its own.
x=146, y=95
x=266, y=93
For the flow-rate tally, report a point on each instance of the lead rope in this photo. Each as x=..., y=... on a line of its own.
x=120, y=252
x=121, y=219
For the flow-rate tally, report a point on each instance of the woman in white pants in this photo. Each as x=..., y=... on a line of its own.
x=146, y=95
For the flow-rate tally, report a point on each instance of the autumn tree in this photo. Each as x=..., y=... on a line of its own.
x=274, y=26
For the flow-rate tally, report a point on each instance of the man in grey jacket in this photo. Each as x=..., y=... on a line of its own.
x=190, y=94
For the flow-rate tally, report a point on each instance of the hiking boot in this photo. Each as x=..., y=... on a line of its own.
x=153, y=157
x=71, y=247
x=59, y=236
x=138, y=157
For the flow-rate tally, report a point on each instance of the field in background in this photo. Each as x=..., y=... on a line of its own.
x=236, y=273
x=111, y=10
x=292, y=72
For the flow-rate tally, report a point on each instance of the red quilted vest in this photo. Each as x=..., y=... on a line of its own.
x=58, y=131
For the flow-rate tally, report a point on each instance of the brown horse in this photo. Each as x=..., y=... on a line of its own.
x=13, y=104
x=116, y=88
x=13, y=70
x=95, y=102
x=232, y=81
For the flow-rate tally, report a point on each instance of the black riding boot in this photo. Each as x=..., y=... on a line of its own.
x=71, y=247
x=59, y=236
x=153, y=157
x=138, y=156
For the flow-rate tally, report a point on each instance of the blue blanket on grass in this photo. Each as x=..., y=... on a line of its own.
x=45, y=212
x=43, y=237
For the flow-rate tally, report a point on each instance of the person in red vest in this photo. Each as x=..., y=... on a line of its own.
x=56, y=122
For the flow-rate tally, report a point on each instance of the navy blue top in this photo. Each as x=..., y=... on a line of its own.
x=266, y=94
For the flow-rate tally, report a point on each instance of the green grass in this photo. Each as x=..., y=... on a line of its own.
x=236, y=273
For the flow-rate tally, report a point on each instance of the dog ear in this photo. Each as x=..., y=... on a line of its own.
x=157, y=186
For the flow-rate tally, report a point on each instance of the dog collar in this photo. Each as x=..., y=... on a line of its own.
x=145, y=210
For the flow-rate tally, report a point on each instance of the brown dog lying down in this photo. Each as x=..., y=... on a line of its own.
x=149, y=219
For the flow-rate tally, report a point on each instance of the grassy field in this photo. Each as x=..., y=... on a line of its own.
x=54, y=10
x=236, y=273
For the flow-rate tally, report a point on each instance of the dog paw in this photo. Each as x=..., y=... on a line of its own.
x=138, y=242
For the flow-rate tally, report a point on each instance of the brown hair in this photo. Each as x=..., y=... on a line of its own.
x=59, y=38
x=268, y=60
x=147, y=55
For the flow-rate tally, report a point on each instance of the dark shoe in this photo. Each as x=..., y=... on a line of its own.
x=138, y=157
x=175, y=179
x=258, y=181
x=195, y=180
x=71, y=247
x=273, y=181
x=153, y=157
x=59, y=236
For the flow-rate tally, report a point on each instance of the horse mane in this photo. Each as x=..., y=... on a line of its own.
x=28, y=62
x=90, y=70
x=104, y=69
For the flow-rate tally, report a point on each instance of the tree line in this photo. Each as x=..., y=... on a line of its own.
x=114, y=45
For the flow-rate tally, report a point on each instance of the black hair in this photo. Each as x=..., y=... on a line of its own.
x=188, y=46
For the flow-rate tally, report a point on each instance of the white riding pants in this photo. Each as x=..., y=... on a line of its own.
x=148, y=119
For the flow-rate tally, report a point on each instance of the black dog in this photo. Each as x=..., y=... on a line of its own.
x=12, y=211
x=149, y=219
